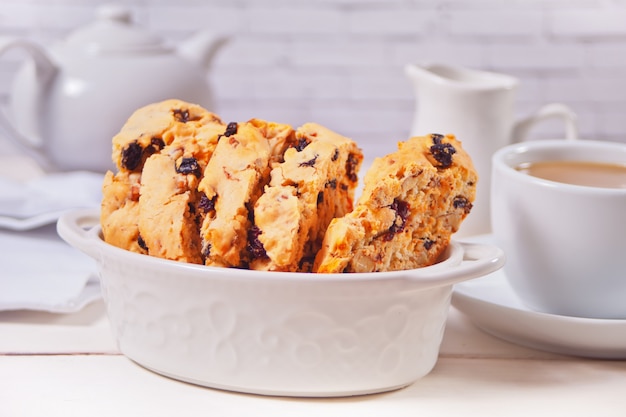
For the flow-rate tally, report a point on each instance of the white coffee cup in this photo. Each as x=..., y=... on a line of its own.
x=565, y=244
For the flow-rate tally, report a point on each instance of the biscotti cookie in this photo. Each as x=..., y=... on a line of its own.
x=337, y=198
x=314, y=184
x=412, y=202
x=233, y=179
x=185, y=134
x=119, y=211
x=169, y=218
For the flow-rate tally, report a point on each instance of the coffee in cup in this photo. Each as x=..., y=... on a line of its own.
x=590, y=174
x=559, y=213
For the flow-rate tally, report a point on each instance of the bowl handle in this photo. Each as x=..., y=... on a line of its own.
x=478, y=259
x=77, y=227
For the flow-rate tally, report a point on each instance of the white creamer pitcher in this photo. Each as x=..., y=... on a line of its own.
x=477, y=107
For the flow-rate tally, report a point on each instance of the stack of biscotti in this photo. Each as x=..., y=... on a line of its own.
x=264, y=196
x=412, y=202
x=252, y=194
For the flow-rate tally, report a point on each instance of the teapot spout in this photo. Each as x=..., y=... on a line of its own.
x=202, y=47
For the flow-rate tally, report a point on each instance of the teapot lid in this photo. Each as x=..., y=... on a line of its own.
x=114, y=32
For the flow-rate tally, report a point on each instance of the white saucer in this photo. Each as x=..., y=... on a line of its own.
x=490, y=303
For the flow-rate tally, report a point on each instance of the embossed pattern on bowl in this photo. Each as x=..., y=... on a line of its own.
x=278, y=333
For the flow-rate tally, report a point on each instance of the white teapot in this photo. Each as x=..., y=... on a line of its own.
x=68, y=102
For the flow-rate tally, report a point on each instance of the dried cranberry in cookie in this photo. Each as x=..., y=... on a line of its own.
x=441, y=151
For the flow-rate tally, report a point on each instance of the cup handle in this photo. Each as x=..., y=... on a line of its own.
x=77, y=228
x=549, y=111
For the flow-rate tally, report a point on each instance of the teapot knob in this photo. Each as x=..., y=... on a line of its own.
x=114, y=12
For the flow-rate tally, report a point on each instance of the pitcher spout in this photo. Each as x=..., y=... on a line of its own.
x=419, y=73
x=459, y=77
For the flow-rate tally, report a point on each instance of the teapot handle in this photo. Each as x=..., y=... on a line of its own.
x=549, y=111
x=45, y=71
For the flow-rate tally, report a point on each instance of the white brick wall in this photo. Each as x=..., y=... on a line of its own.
x=340, y=62
x=588, y=22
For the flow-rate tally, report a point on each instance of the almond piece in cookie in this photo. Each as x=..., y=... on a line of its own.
x=280, y=137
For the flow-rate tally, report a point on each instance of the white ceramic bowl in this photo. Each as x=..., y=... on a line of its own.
x=277, y=333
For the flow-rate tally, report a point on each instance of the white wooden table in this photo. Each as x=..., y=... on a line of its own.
x=68, y=365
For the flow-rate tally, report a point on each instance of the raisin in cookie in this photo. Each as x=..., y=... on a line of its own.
x=314, y=184
x=412, y=202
